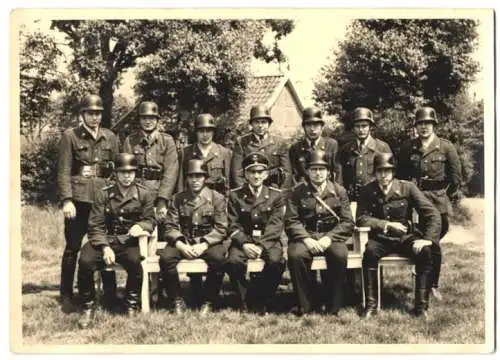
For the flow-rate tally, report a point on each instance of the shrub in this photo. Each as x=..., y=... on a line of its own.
x=39, y=171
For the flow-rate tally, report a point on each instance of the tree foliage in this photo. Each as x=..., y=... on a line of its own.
x=399, y=64
x=39, y=78
x=103, y=49
x=204, y=65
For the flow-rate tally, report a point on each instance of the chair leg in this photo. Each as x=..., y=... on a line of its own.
x=145, y=290
x=363, y=301
x=379, y=285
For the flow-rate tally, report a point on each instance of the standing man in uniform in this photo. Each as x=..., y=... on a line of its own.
x=156, y=154
x=256, y=221
x=120, y=214
x=259, y=140
x=196, y=225
x=86, y=155
x=434, y=165
x=318, y=222
x=216, y=157
x=386, y=206
x=313, y=124
x=356, y=156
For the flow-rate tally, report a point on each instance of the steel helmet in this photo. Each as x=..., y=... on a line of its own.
x=91, y=102
x=425, y=114
x=125, y=162
x=312, y=115
x=148, y=108
x=204, y=121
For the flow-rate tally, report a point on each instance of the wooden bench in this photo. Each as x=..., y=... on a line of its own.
x=150, y=264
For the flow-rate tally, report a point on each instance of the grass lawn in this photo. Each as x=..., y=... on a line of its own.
x=458, y=319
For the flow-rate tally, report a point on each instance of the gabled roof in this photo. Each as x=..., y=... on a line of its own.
x=265, y=90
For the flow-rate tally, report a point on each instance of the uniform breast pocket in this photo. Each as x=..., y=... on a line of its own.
x=80, y=187
x=398, y=209
x=82, y=152
x=216, y=168
x=106, y=153
x=437, y=163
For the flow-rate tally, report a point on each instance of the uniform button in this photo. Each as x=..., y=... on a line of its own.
x=256, y=226
x=96, y=159
x=121, y=210
x=120, y=218
x=255, y=215
x=360, y=163
x=388, y=217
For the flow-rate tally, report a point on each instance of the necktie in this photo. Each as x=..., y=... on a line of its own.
x=361, y=144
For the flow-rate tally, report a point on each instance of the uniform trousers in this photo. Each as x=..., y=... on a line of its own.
x=215, y=259
x=74, y=231
x=332, y=279
x=91, y=259
x=261, y=289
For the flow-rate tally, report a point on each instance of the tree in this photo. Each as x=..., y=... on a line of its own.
x=205, y=65
x=104, y=49
x=395, y=66
x=399, y=64
x=39, y=78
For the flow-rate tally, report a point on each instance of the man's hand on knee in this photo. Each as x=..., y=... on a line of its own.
x=418, y=245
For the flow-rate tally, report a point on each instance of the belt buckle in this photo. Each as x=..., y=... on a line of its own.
x=87, y=171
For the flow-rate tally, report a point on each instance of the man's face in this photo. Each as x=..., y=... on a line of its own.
x=313, y=130
x=260, y=127
x=196, y=182
x=362, y=129
x=92, y=118
x=256, y=175
x=384, y=176
x=425, y=129
x=125, y=178
x=205, y=136
x=317, y=174
x=148, y=123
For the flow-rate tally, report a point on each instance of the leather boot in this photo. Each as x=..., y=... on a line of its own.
x=109, y=298
x=371, y=291
x=87, y=315
x=422, y=291
x=131, y=303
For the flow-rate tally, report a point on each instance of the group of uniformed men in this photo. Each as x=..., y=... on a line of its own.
x=305, y=192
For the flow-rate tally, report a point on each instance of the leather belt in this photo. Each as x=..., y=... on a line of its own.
x=96, y=170
x=149, y=173
x=432, y=185
x=320, y=226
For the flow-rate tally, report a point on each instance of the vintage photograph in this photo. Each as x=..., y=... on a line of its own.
x=277, y=177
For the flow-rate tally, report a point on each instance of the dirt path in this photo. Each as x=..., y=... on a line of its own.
x=473, y=235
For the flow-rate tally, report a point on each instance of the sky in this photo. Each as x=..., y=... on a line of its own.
x=307, y=47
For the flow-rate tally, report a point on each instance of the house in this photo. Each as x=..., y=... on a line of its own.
x=277, y=92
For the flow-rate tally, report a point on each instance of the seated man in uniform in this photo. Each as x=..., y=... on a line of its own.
x=386, y=206
x=120, y=213
x=195, y=227
x=256, y=217
x=318, y=222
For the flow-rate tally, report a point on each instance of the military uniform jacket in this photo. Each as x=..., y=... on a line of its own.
x=81, y=158
x=356, y=166
x=300, y=150
x=193, y=218
x=280, y=172
x=157, y=156
x=114, y=213
x=262, y=216
x=306, y=217
x=375, y=209
x=218, y=162
x=436, y=170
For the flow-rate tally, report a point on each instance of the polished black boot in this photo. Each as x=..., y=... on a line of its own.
x=132, y=303
x=109, y=298
x=422, y=290
x=370, y=277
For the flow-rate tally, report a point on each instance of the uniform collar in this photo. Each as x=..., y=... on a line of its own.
x=86, y=131
x=204, y=194
x=394, y=189
x=149, y=139
x=207, y=154
x=259, y=140
x=257, y=192
x=326, y=189
x=433, y=145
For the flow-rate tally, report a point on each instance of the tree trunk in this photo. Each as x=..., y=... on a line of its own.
x=106, y=93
